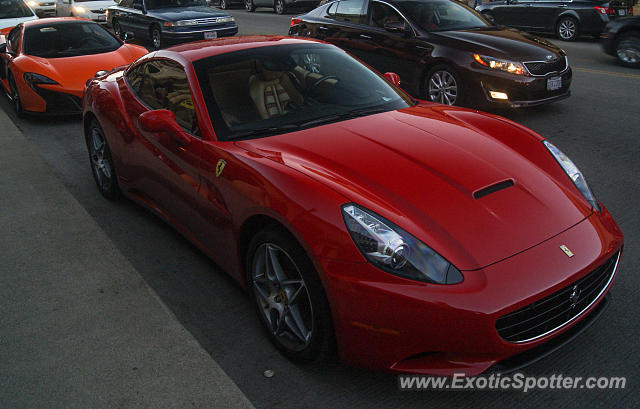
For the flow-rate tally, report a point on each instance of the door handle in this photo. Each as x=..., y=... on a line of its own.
x=323, y=28
x=365, y=36
x=562, y=5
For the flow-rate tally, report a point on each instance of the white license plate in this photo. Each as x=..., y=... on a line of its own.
x=622, y=12
x=554, y=83
x=102, y=17
x=210, y=34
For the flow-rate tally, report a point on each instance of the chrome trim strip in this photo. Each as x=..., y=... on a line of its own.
x=615, y=269
x=566, y=67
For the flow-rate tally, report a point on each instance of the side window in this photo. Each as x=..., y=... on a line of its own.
x=162, y=84
x=13, y=39
x=347, y=10
x=126, y=4
x=382, y=14
x=137, y=4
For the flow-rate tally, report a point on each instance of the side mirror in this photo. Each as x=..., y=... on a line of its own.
x=393, y=78
x=512, y=1
x=128, y=36
x=395, y=27
x=163, y=120
x=139, y=7
x=3, y=48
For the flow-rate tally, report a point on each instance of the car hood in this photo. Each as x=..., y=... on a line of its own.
x=73, y=72
x=185, y=13
x=420, y=168
x=11, y=22
x=502, y=43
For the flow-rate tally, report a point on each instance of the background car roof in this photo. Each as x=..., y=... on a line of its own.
x=202, y=49
x=51, y=20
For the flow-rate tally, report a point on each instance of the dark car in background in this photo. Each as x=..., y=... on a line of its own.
x=621, y=38
x=164, y=22
x=443, y=51
x=281, y=6
x=567, y=19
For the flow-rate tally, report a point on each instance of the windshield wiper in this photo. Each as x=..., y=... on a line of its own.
x=341, y=116
x=271, y=130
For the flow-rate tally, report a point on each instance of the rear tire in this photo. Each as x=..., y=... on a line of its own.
x=15, y=96
x=117, y=30
x=288, y=296
x=249, y=6
x=567, y=29
x=156, y=37
x=628, y=49
x=104, y=172
x=279, y=7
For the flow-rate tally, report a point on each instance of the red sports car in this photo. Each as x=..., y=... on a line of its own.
x=416, y=237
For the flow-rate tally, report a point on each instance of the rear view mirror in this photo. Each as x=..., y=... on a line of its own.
x=393, y=78
x=128, y=36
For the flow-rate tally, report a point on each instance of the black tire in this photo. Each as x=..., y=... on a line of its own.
x=567, y=29
x=223, y=4
x=447, y=95
x=249, y=6
x=117, y=29
x=628, y=49
x=310, y=299
x=156, y=37
x=15, y=96
x=102, y=167
x=280, y=7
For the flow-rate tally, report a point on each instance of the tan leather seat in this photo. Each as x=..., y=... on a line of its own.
x=272, y=92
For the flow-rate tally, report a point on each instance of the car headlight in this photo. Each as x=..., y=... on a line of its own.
x=32, y=4
x=31, y=78
x=511, y=67
x=573, y=172
x=79, y=9
x=395, y=251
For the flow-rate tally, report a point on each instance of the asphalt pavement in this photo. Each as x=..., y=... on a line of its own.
x=598, y=127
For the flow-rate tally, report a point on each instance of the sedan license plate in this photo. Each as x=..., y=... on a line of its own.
x=210, y=34
x=102, y=17
x=554, y=83
x=622, y=12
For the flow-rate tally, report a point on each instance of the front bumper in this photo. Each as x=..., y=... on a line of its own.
x=386, y=322
x=49, y=99
x=522, y=91
x=199, y=34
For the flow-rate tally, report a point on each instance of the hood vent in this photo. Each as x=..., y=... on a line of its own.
x=493, y=188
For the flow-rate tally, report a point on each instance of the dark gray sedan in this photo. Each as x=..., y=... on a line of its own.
x=166, y=22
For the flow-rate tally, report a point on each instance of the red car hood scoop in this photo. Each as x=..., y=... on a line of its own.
x=461, y=191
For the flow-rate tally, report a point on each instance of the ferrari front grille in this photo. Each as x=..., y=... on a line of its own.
x=558, y=309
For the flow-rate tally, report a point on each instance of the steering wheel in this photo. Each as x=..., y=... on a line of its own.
x=296, y=82
x=319, y=81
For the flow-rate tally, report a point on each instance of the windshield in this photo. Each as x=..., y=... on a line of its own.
x=164, y=4
x=269, y=90
x=68, y=39
x=441, y=15
x=14, y=9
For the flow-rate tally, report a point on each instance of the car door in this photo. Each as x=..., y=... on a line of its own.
x=63, y=8
x=340, y=24
x=166, y=164
x=543, y=14
x=11, y=50
x=512, y=13
x=138, y=20
x=122, y=15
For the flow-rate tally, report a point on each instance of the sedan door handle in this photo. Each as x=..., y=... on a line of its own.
x=323, y=28
x=365, y=36
x=562, y=5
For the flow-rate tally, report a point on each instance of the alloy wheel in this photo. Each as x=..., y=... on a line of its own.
x=223, y=4
x=279, y=6
x=117, y=30
x=15, y=96
x=156, y=38
x=282, y=297
x=628, y=51
x=443, y=87
x=567, y=29
x=100, y=160
x=248, y=5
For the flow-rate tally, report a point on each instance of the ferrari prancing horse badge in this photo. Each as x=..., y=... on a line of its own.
x=220, y=167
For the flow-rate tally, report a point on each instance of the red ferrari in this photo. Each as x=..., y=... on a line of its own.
x=45, y=63
x=415, y=237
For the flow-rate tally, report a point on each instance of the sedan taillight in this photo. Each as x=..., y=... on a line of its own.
x=604, y=10
x=295, y=21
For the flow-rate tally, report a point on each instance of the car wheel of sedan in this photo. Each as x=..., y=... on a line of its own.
x=15, y=96
x=567, y=29
x=443, y=85
x=289, y=297
x=628, y=49
x=117, y=30
x=279, y=6
x=104, y=173
x=249, y=6
x=156, y=38
x=223, y=4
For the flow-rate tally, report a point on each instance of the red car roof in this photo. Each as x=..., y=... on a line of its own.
x=52, y=20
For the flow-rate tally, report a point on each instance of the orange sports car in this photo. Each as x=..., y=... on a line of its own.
x=45, y=63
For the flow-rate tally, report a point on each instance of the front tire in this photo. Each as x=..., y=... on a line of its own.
x=156, y=37
x=443, y=85
x=117, y=29
x=249, y=6
x=567, y=29
x=104, y=172
x=279, y=7
x=628, y=49
x=288, y=296
x=15, y=96
x=223, y=4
